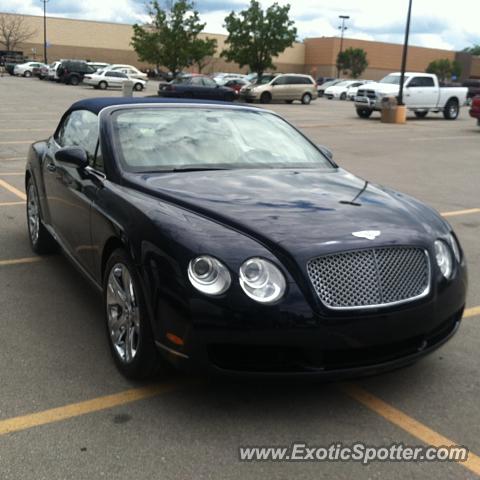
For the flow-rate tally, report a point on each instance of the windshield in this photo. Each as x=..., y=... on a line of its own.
x=393, y=79
x=159, y=139
x=264, y=79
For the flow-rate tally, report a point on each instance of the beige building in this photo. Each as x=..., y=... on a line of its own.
x=110, y=42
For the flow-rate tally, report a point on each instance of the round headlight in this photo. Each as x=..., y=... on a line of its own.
x=262, y=280
x=443, y=258
x=455, y=246
x=209, y=275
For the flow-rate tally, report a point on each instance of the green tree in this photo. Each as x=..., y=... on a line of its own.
x=353, y=61
x=171, y=38
x=444, y=69
x=255, y=36
x=203, y=51
x=473, y=50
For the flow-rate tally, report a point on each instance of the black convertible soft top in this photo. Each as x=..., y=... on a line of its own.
x=95, y=105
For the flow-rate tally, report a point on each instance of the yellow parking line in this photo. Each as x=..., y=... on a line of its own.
x=19, y=261
x=9, y=204
x=11, y=174
x=471, y=312
x=12, y=189
x=82, y=408
x=10, y=159
x=13, y=142
x=460, y=212
x=407, y=423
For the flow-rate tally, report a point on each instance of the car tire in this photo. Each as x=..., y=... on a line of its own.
x=103, y=85
x=40, y=239
x=364, y=112
x=289, y=101
x=451, y=110
x=138, y=87
x=265, y=97
x=343, y=96
x=27, y=74
x=306, y=99
x=421, y=113
x=74, y=80
x=127, y=322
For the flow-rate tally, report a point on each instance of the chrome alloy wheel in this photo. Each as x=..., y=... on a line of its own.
x=33, y=213
x=453, y=110
x=123, y=313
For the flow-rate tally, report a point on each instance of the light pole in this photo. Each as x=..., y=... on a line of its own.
x=404, y=55
x=45, y=31
x=342, y=28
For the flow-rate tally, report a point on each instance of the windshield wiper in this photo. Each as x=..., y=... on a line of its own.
x=196, y=169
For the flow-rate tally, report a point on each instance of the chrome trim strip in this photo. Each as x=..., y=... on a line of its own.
x=171, y=350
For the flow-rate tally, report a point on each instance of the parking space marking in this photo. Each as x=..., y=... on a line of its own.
x=461, y=212
x=11, y=159
x=10, y=204
x=19, y=261
x=24, y=129
x=437, y=138
x=72, y=410
x=471, y=312
x=407, y=423
x=11, y=174
x=13, y=142
x=13, y=189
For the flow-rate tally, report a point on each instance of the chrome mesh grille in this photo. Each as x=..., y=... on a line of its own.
x=371, y=277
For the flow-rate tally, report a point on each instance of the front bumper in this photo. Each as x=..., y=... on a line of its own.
x=367, y=102
x=296, y=340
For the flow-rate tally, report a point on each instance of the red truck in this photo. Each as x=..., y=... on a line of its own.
x=475, y=109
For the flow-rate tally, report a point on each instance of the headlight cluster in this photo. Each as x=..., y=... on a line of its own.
x=444, y=257
x=260, y=279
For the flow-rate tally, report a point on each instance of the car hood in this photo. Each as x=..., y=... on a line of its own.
x=381, y=87
x=300, y=211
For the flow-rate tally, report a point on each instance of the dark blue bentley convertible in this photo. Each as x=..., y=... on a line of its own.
x=224, y=240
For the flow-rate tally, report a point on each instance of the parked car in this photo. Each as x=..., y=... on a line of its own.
x=322, y=80
x=52, y=70
x=131, y=71
x=196, y=86
x=99, y=65
x=72, y=72
x=352, y=91
x=26, y=69
x=475, y=109
x=236, y=84
x=473, y=88
x=224, y=240
x=104, y=79
x=42, y=72
x=321, y=88
x=221, y=78
x=286, y=87
x=340, y=90
x=422, y=94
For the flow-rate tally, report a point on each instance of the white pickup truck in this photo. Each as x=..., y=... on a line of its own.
x=421, y=94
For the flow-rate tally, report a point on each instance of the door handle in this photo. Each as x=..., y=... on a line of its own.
x=51, y=167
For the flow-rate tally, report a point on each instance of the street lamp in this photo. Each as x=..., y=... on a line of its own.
x=404, y=54
x=45, y=31
x=342, y=28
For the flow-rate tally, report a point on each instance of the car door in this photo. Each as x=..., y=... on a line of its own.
x=70, y=191
x=114, y=79
x=212, y=89
x=280, y=88
x=421, y=92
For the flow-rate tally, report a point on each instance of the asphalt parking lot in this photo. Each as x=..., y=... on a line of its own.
x=65, y=411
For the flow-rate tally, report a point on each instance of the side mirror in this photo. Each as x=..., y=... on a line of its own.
x=72, y=156
x=326, y=151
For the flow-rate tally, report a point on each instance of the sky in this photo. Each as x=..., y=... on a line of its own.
x=435, y=23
